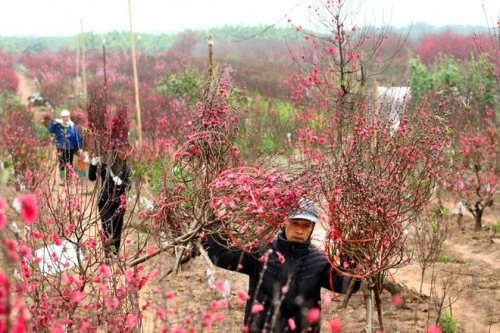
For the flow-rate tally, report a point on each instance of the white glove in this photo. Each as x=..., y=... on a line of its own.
x=96, y=160
x=59, y=121
x=117, y=180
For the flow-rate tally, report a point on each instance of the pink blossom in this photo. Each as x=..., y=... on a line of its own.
x=397, y=300
x=313, y=315
x=219, y=316
x=29, y=208
x=3, y=220
x=131, y=320
x=256, y=308
x=151, y=250
x=281, y=258
x=25, y=251
x=56, y=240
x=291, y=324
x=242, y=296
x=220, y=285
x=111, y=303
x=187, y=320
x=130, y=276
x=57, y=328
x=170, y=294
x=77, y=296
x=434, y=329
x=327, y=300
x=335, y=325
x=105, y=271
x=178, y=329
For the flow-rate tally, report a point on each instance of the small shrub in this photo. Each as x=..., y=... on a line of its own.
x=495, y=227
x=447, y=324
x=444, y=257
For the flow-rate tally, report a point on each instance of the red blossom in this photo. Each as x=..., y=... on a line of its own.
x=29, y=208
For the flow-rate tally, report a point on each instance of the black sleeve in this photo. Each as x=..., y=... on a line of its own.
x=126, y=177
x=230, y=258
x=333, y=279
x=92, y=172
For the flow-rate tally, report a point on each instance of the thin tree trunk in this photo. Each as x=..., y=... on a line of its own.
x=378, y=304
x=478, y=217
x=367, y=294
x=348, y=293
x=419, y=295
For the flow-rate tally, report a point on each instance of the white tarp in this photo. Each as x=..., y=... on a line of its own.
x=56, y=259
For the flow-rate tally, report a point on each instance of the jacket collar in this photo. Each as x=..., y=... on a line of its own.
x=296, y=248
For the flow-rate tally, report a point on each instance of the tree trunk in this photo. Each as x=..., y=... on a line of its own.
x=419, y=295
x=378, y=304
x=478, y=217
x=348, y=293
x=367, y=294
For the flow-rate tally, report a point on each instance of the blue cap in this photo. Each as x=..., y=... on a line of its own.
x=306, y=211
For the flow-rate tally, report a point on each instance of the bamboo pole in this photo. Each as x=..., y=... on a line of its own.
x=136, y=81
x=210, y=53
x=77, y=78
x=105, y=82
x=84, y=71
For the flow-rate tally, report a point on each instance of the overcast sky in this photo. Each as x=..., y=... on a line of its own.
x=63, y=17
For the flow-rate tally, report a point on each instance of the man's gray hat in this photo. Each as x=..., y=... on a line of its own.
x=306, y=211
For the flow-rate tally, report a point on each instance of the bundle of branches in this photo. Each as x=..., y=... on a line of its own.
x=252, y=203
x=98, y=114
x=375, y=183
x=104, y=129
x=182, y=208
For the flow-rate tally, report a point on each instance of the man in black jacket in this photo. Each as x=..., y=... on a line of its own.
x=286, y=276
x=115, y=182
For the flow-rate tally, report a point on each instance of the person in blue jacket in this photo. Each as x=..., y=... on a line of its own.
x=68, y=142
x=286, y=285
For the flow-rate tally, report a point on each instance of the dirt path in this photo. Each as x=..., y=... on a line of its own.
x=26, y=87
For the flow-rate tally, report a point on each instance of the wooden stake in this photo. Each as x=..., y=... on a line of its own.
x=210, y=52
x=84, y=71
x=77, y=78
x=136, y=82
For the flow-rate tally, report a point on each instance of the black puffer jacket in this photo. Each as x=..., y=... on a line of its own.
x=305, y=271
x=110, y=192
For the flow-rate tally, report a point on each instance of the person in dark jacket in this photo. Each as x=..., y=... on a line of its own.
x=286, y=276
x=115, y=182
x=68, y=142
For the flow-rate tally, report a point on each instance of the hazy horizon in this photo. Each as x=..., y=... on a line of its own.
x=25, y=18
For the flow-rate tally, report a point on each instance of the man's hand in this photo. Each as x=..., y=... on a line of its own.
x=96, y=160
x=117, y=180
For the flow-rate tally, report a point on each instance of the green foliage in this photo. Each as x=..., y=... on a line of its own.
x=266, y=128
x=448, y=73
x=186, y=84
x=495, y=227
x=8, y=102
x=144, y=42
x=445, y=257
x=447, y=324
x=421, y=80
x=481, y=82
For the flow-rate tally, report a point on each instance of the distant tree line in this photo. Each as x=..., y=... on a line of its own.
x=152, y=42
